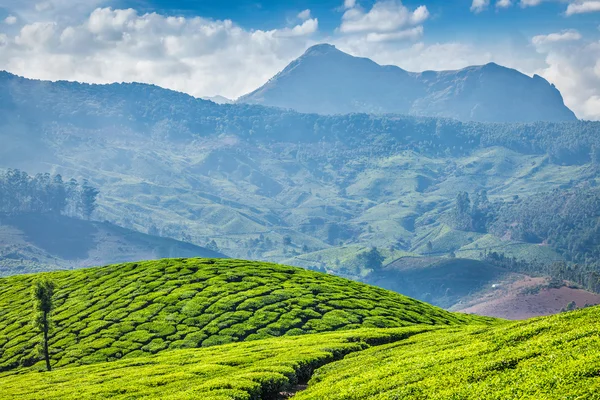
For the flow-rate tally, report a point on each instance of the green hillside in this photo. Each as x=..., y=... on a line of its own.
x=239, y=371
x=546, y=358
x=136, y=309
x=554, y=357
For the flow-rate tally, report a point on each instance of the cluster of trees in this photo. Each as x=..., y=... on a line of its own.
x=370, y=259
x=587, y=275
x=45, y=193
x=472, y=215
x=567, y=220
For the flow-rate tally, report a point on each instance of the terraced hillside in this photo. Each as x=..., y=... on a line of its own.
x=239, y=371
x=546, y=358
x=554, y=357
x=136, y=309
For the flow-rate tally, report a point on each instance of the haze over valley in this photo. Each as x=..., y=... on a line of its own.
x=265, y=226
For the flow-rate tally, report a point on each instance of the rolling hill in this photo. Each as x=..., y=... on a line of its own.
x=34, y=242
x=137, y=309
x=325, y=80
x=336, y=351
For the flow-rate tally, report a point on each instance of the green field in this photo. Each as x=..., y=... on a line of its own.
x=136, y=309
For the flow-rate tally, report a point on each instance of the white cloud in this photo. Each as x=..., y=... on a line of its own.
x=308, y=27
x=37, y=35
x=530, y=3
x=384, y=16
x=349, y=4
x=304, y=15
x=564, y=36
x=503, y=3
x=583, y=7
x=420, y=15
x=573, y=66
x=193, y=55
x=10, y=20
x=479, y=5
x=412, y=33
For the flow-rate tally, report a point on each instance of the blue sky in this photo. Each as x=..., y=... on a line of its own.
x=230, y=47
x=452, y=18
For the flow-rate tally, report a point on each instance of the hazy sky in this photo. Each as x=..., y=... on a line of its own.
x=228, y=47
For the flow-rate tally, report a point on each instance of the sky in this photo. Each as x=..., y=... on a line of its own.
x=231, y=47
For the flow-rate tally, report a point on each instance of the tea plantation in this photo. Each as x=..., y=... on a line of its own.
x=241, y=371
x=554, y=357
x=130, y=310
x=547, y=358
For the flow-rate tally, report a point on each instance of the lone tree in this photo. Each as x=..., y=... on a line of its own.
x=42, y=293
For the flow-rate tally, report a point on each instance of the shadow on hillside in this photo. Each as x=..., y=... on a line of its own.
x=439, y=281
x=63, y=237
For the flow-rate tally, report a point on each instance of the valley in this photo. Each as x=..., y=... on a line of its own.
x=313, y=200
x=302, y=189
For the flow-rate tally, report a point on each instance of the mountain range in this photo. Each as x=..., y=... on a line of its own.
x=326, y=80
x=311, y=190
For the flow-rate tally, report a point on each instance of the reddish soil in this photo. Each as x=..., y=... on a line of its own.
x=526, y=298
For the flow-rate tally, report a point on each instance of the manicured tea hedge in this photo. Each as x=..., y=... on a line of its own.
x=130, y=310
x=548, y=358
x=239, y=371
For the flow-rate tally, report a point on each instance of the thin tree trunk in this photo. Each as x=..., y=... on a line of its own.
x=46, y=355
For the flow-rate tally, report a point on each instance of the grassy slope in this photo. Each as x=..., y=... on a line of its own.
x=554, y=357
x=238, y=371
x=142, y=308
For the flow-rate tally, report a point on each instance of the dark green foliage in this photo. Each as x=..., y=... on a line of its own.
x=567, y=220
x=41, y=295
x=21, y=193
x=472, y=216
x=371, y=259
x=107, y=313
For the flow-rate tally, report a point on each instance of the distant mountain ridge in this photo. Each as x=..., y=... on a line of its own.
x=39, y=242
x=326, y=80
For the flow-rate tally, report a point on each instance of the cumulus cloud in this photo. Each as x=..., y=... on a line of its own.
x=583, y=7
x=384, y=16
x=573, y=65
x=478, y=6
x=304, y=15
x=349, y=4
x=308, y=27
x=10, y=20
x=503, y=3
x=564, y=36
x=195, y=55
